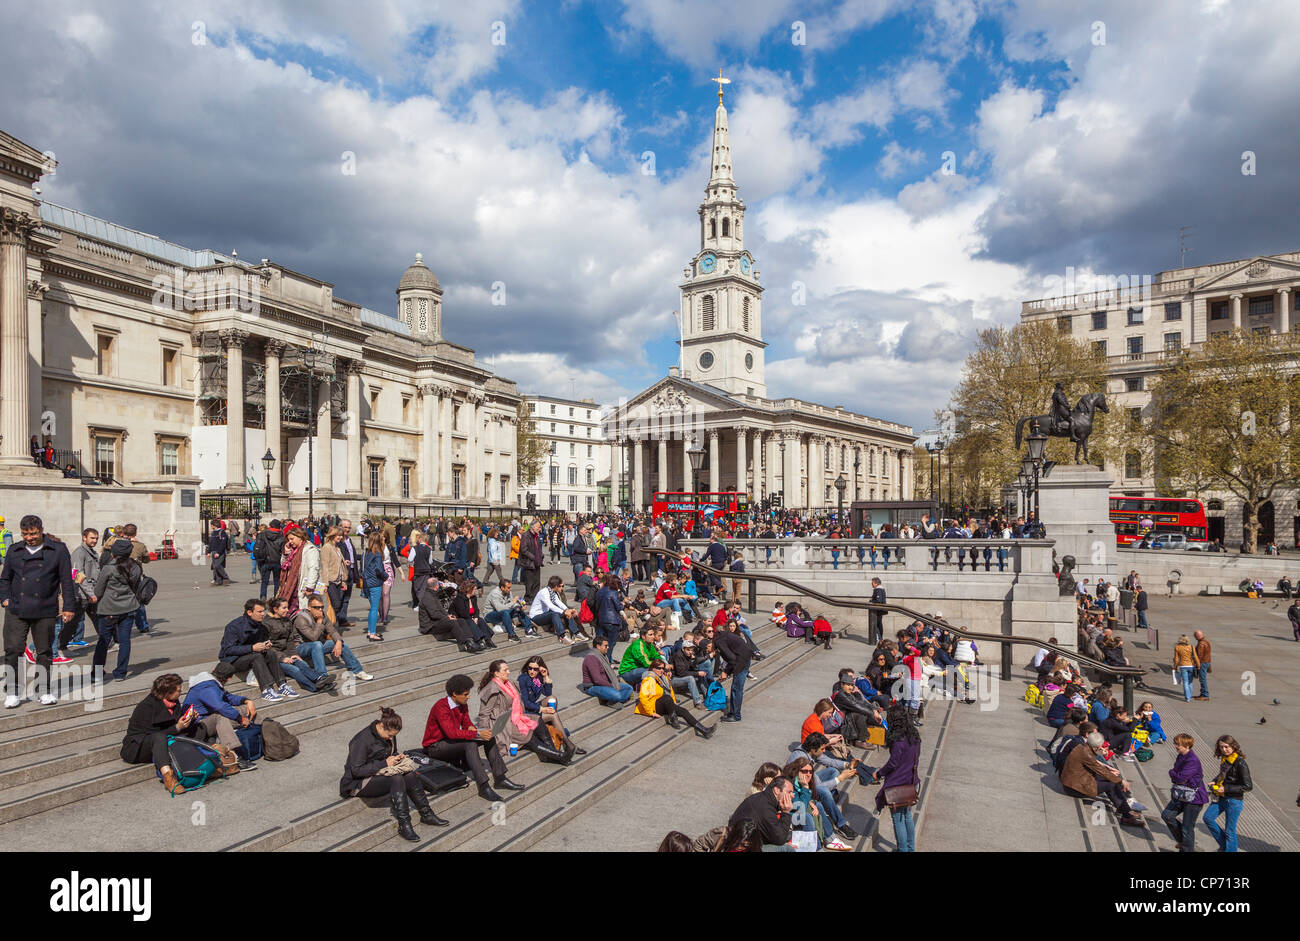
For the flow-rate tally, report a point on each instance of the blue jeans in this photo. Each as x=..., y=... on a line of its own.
x=1142, y=618
x=270, y=573
x=560, y=623
x=737, y=692
x=115, y=627
x=689, y=684
x=1180, y=818
x=254, y=563
x=1225, y=836
x=301, y=672
x=514, y=576
x=1202, y=672
x=314, y=651
x=634, y=676
x=142, y=619
x=824, y=796
x=609, y=693
x=904, y=830
x=507, y=620
x=374, y=596
x=835, y=560
x=678, y=605
x=1187, y=682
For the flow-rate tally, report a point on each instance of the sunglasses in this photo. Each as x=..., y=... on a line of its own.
x=533, y=669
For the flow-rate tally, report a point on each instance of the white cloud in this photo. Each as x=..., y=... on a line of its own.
x=896, y=158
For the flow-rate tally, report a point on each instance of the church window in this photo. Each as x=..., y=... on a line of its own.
x=744, y=314
x=406, y=313
x=424, y=315
x=713, y=228
x=726, y=227
x=706, y=317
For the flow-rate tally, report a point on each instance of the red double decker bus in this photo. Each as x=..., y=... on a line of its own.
x=1136, y=517
x=686, y=507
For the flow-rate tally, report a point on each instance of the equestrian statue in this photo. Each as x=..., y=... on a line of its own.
x=1064, y=422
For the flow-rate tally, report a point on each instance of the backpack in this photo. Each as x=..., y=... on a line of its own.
x=1143, y=753
x=144, y=587
x=278, y=743
x=192, y=761
x=715, y=700
x=1063, y=749
x=250, y=741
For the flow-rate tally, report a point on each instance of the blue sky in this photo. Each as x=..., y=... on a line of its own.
x=1076, y=143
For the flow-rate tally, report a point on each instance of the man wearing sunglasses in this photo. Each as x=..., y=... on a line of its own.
x=319, y=635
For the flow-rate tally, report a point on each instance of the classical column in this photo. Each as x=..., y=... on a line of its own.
x=352, y=427
x=1284, y=299
x=15, y=407
x=663, y=478
x=444, y=459
x=688, y=480
x=429, y=440
x=771, y=462
x=324, y=439
x=638, y=473
x=274, y=350
x=742, y=461
x=812, y=465
x=234, y=341
x=469, y=488
x=757, y=491
x=1236, y=311
x=715, y=460
x=791, y=471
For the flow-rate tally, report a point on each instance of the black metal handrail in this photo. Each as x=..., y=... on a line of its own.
x=1128, y=675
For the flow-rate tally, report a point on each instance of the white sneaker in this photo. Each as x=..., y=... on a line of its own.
x=12, y=702
x=49, y=699
x=837, y=846
x=363, y=675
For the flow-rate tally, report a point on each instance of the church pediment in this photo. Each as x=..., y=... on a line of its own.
x=1248, y=274
x=672, y=394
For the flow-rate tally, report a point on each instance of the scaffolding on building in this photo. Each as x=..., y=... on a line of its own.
x=302, y=369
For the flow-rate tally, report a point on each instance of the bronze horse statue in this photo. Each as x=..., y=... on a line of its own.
x=1078, y=430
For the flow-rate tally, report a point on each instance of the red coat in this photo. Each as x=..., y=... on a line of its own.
x=448, y=723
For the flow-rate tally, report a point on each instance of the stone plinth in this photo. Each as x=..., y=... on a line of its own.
x=1075, y=504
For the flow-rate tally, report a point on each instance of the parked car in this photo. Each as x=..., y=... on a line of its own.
x=1178, y=541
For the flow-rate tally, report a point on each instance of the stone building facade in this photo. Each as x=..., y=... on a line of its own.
x=1141, y=323
x=148, y=362
x=717, y=395
x=577, y=460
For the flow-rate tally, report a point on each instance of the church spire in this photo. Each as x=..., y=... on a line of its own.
x=721, y=140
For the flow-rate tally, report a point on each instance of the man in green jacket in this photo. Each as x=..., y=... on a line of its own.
x=638, y=656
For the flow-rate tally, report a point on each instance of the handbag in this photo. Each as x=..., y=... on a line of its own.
x=1183, y=792
x=439, y=777
x=901, y=795
x=584, y=613
x=250, y=741
x=404, y=765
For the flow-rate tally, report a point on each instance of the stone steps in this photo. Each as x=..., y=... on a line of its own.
x=619, y=744
x=59, y=777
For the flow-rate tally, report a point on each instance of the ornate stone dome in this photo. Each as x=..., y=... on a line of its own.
x=418, y=277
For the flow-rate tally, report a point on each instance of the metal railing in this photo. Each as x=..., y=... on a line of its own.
x=933, y=555
x=1128, y=675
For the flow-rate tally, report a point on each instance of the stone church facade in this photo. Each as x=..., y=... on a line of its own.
x=717, y=396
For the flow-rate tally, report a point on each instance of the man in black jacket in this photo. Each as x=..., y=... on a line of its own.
x=35, y=589
x=877, y=617
x=218, y=546
x=736, y=652
x=267, y=550
x=246, y=644
x=351, y=573
x=770, y=810
x=530, y=559
x=578, y=552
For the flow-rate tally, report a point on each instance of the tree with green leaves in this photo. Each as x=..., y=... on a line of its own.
x=1220, y=419
x=1009, y=375
x=530, y=449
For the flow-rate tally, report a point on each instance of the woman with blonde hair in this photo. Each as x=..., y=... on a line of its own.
x=1185, y=664
x=332, y=571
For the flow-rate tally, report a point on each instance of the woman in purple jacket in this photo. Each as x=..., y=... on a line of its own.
x=904, y=743
x=1188, y=795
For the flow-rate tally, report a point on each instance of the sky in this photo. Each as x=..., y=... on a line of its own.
x=912, y=171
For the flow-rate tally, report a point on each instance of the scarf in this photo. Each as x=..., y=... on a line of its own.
x=523, y=723
x=289, y=582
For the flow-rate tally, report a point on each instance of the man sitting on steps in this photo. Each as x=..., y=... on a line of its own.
x=245, y=644
x=318, y=636
x=450, y=736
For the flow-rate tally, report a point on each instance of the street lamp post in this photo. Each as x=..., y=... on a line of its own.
x=783, y=480
x=696, y=454
x=268, y=462
x=841, y=485
x=1034, y=462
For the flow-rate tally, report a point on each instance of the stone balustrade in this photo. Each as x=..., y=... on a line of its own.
x=924, y=556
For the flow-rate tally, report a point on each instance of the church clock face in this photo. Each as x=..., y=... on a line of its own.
x=708, y=262
x=706, y=360
x=744, y=264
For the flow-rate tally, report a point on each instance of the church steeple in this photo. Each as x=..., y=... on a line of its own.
x=722, y=328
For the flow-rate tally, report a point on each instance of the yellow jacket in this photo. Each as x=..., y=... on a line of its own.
x=514, y=546
x=1185, y=656
x=651, y=690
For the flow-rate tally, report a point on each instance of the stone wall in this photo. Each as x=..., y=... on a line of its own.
x=67, y=507
x=1201, y=570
